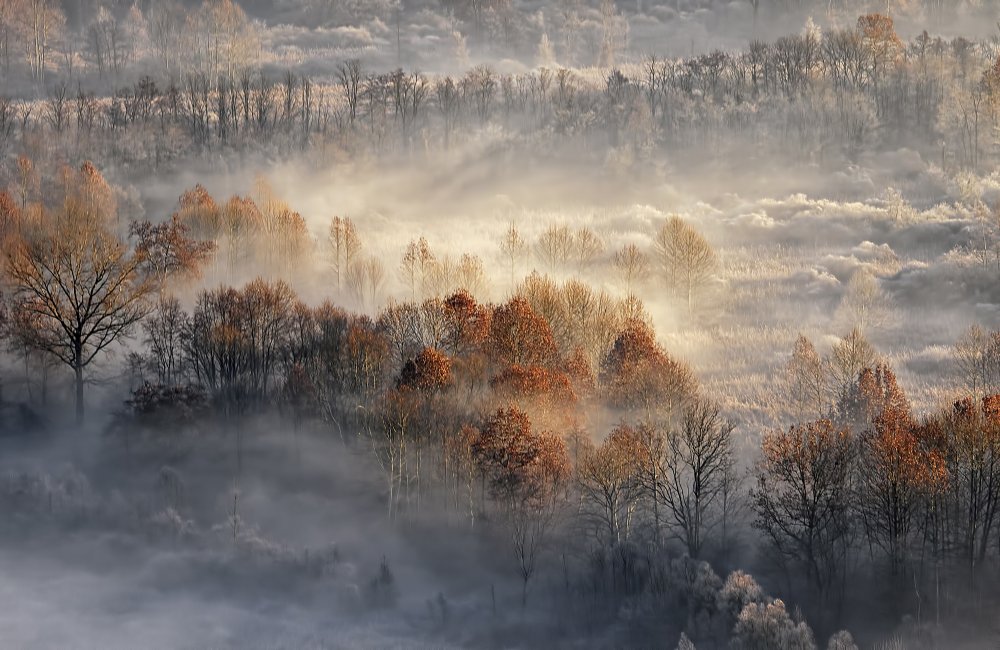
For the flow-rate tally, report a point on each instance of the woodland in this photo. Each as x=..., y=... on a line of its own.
x=499, y=323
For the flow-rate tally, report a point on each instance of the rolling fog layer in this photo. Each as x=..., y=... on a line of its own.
x=266, y=532
x=109, y=579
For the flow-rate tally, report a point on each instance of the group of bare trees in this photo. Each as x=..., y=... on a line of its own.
x=853, y=89
x=217, y=38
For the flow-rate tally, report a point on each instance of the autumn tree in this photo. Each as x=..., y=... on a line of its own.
x=467, y=323
x=881, y=44
x=428, y=371
x=895, y=472
x=526, y=472
x=638, y=374
x=518, y=335
x=802, y=500
x=200, y=213
x=685, y=258
x=873, y=395
x=609, y=478
x=77, y=291
x=590, y=320
x=167, y=251
x=973, y=439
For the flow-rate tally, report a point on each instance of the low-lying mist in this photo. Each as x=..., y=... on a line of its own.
x=499, y=324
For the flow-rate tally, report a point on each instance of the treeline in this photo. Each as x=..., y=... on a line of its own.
x=811, y=95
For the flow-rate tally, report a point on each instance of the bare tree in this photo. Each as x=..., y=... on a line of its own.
x=864, y=302
x=513, y=247
x=555, y=246
x=849, y=356
x=349, y=75
x=977, y=360
x=699, y=459
x=686, y=258
x=806, y=380
x=632, y=265
x=77, y=290
x=588, y=246
x=343, y=244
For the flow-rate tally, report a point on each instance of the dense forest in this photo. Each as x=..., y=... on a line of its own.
x=500, y=323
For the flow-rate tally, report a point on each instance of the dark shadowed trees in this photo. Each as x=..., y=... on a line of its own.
x=77, y=291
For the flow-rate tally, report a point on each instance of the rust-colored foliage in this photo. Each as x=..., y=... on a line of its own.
x=428, y=371
x=637, y=372
x=467, y=323
x=11, y=221
x=876, y=397
x=519, y=464
x=197, y=198
x=991, y=78
x=518, y=335
x=534, y=382
x=878, y=33
x=91, y=192
x=199, y=211
x=802, y=450
x=168, y=251
x=896, y=471
x=505, y=449
x=802, y=501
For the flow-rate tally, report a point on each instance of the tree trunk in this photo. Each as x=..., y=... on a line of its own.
x=78, y=371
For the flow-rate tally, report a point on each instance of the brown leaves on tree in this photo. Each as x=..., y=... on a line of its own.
x=428, y=371
x=519, y=382
x=638, y=373
x=519, y=464
x=518, y=335
x=802, y=501
x=875, y=398
x=168, y=251
x=467, y=323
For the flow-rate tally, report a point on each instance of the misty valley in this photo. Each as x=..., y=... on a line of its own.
x=500, y=324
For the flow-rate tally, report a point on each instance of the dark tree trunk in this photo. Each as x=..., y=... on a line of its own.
x=78, y=370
